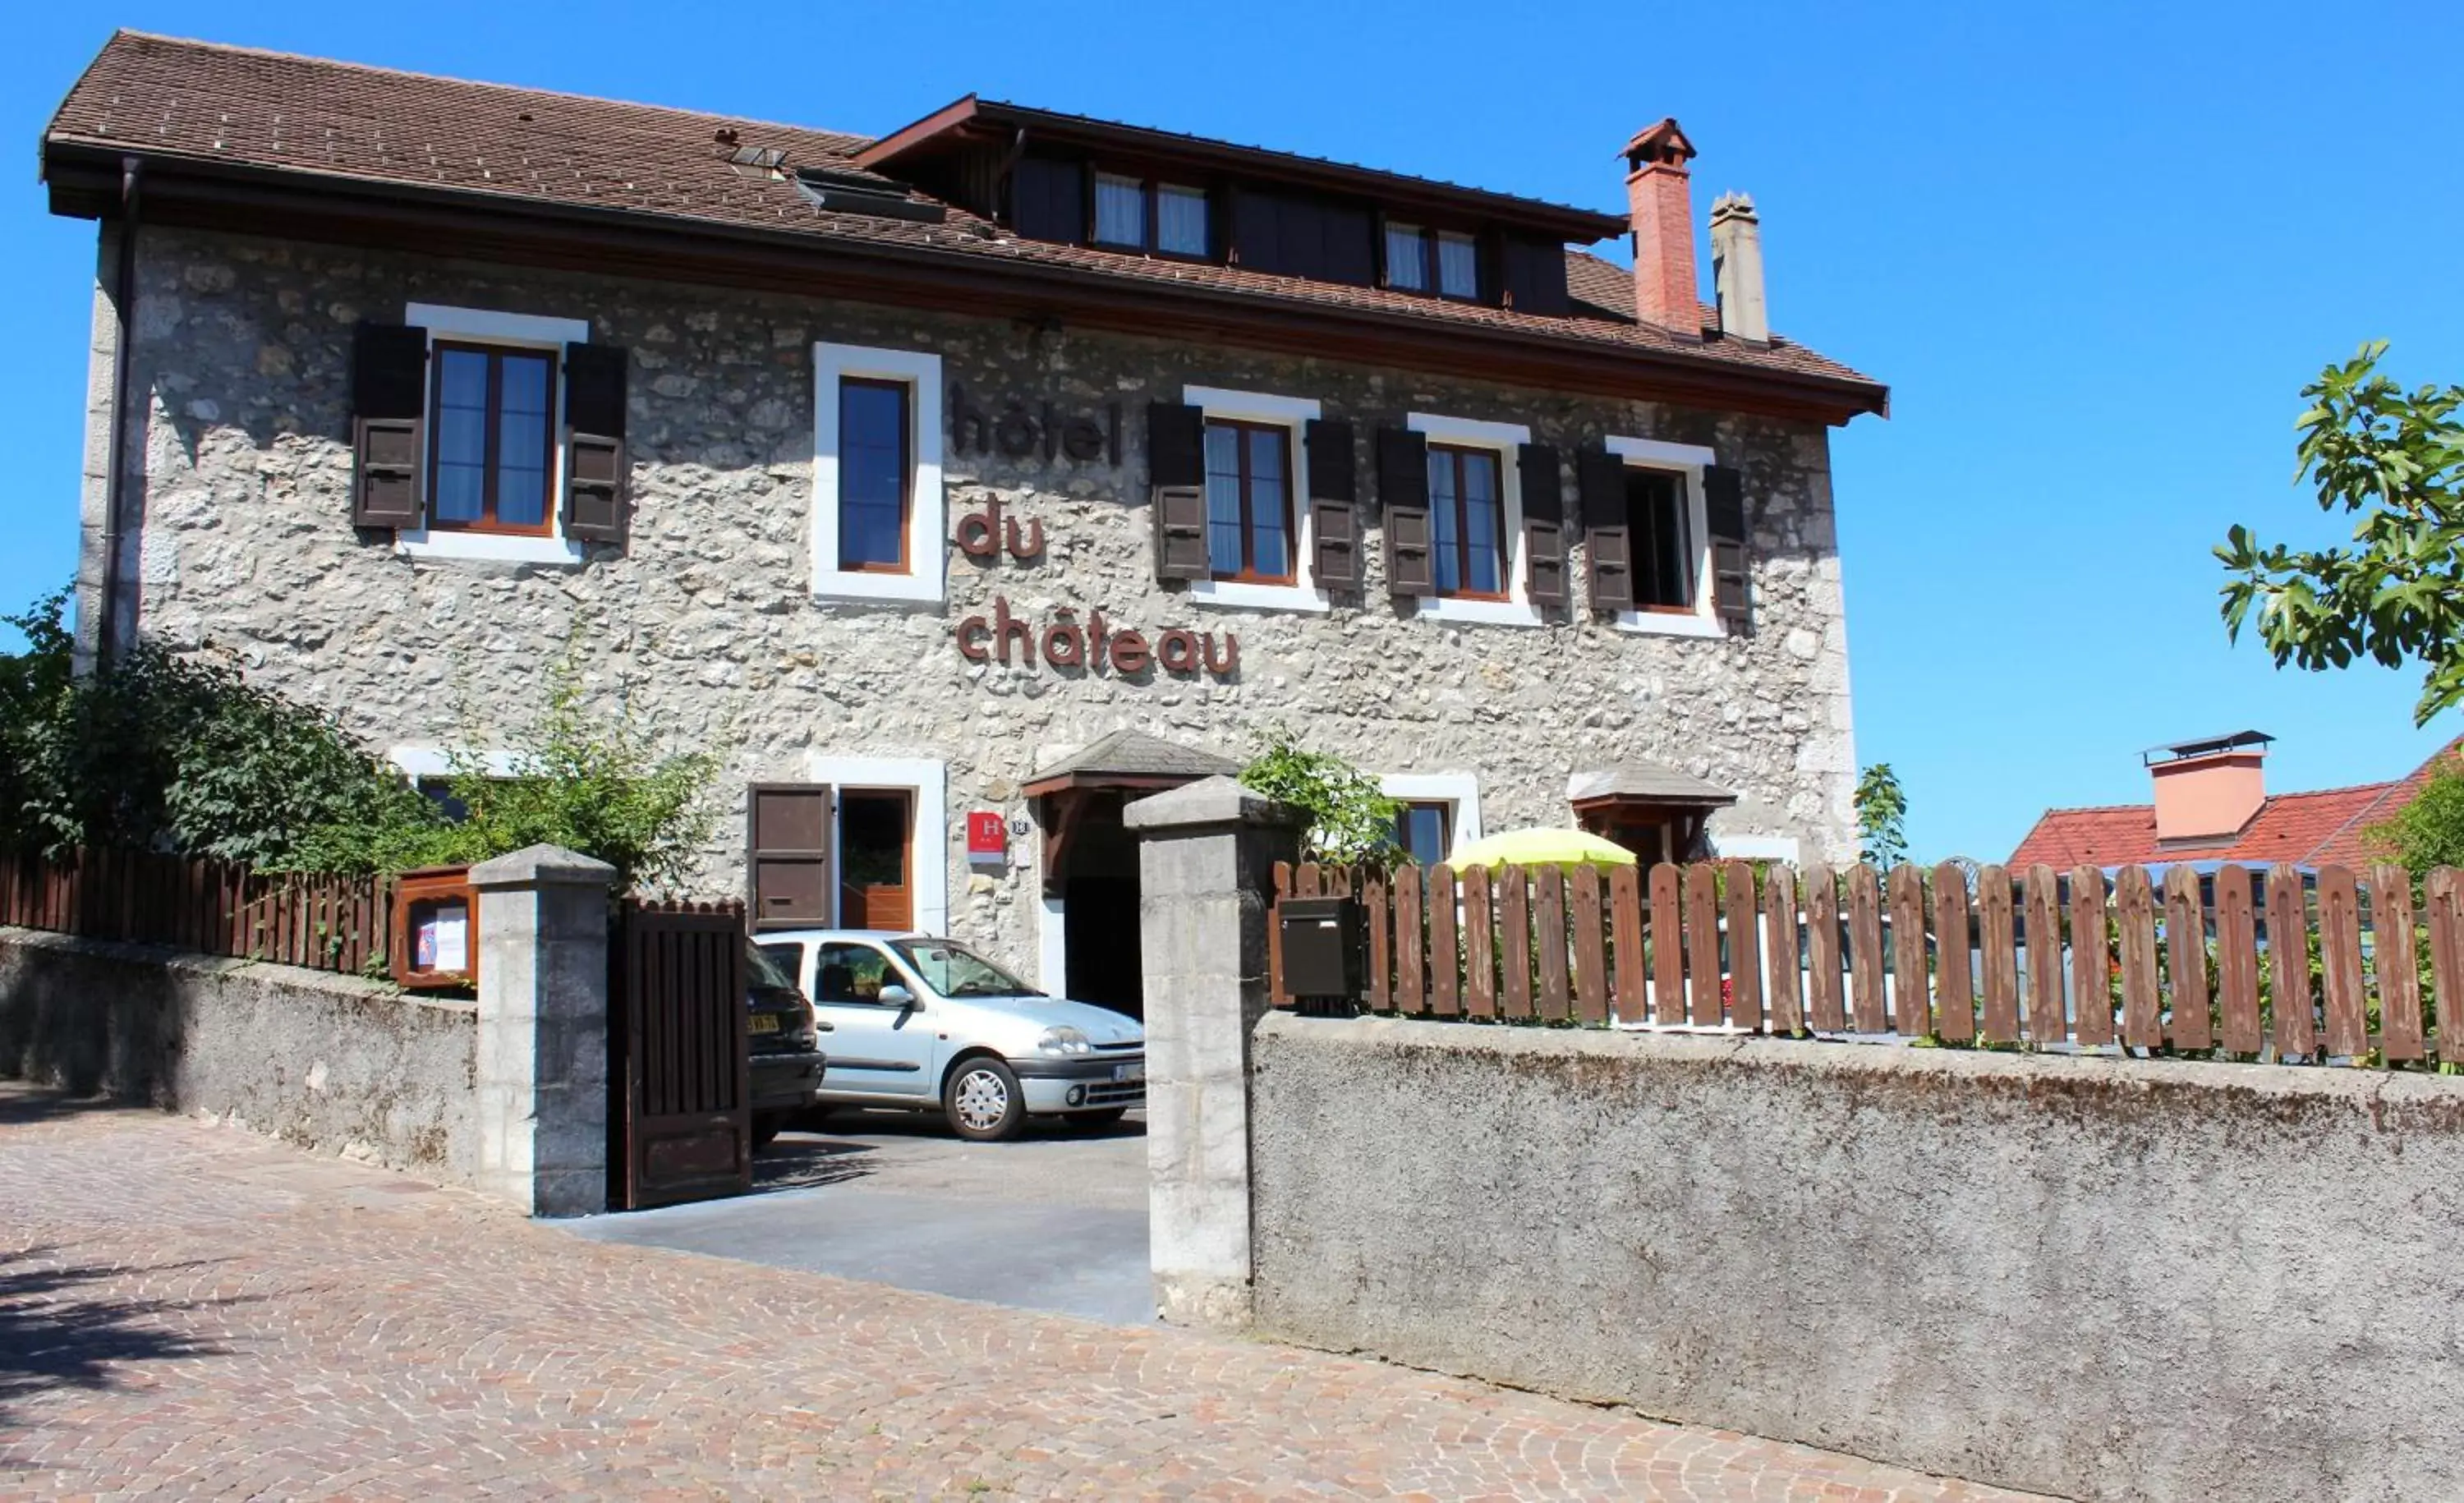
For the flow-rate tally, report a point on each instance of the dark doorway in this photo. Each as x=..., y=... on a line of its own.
x=1100, y=926
x=1099, y=897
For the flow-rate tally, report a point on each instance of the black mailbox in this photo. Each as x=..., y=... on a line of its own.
x=1322, y=943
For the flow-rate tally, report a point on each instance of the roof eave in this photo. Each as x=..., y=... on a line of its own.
x=972, y=114
x=1573, y=361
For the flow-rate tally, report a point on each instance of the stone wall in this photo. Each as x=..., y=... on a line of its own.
x=707, y=627
x=2096, y=1278
x=333, y=1064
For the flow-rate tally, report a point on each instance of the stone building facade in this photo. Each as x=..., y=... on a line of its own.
x=721, y=622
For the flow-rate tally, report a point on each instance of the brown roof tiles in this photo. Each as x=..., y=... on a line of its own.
x=204, y=102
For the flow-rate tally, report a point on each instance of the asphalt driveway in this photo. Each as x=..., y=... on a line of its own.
x=1054, y=1221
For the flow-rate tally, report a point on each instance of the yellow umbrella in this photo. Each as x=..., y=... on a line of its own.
x=1538, y=847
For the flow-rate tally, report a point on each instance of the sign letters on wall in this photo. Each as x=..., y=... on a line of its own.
x=1095, y=646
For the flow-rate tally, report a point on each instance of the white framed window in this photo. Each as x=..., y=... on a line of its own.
x=1449, y=436
x=1441, y=812
x=922, y=781
x=431, y=771
x=1668, y=538
x=495, y=392
x=1786, y=850
x=878, y=510
x=1258, y=511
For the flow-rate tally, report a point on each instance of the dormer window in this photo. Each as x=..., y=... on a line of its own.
x=1143, y=214
x=1442, y=261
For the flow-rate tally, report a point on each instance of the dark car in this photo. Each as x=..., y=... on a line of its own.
x=784, y=1042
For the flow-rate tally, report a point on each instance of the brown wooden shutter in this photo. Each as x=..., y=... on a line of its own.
x=1544, y=523
x=1333, y=497
x=1049, y=200
x=1403, y=500
x=1724, y=517
x=389, y=408
x=787, y=840
x=1535, y=276
x=1177, y=489
x=596, y=468
x=1599, y=480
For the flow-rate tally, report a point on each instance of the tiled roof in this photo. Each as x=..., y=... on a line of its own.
x=207, y=102
x=1638, y=779
x=1136, y=754
x=2308, y=829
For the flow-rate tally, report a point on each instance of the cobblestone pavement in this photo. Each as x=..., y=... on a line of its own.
x=188, y=1310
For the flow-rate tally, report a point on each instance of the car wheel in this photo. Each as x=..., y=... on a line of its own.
x=766, y=1125
x=983, y=1102
x=1089, y=1121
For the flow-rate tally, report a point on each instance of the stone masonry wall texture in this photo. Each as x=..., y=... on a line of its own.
x=2094, y=1278
x=706, y=626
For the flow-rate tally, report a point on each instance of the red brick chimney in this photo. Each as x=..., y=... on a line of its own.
x=2210, y=788
x=1662, y=192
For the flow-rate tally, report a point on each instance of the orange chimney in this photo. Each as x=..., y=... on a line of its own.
x=2210, y=788
x=1661, y=192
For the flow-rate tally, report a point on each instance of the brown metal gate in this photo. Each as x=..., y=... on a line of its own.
x=679, y=1076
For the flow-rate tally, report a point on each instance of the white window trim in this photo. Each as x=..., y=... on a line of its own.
x=927, y=779
x=1786, y=850
x=1688, y=460
x=927, y=557
x=424, y=760
x=1459, y=789
x=1293, y=414
x=1052, y=947
x=1516, y=610
x=522, y=331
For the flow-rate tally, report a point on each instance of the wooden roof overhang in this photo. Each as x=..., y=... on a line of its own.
x=1064, y=802
x=189, y=191
x=973, y=123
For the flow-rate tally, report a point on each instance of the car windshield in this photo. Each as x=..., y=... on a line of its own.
x=955, y=971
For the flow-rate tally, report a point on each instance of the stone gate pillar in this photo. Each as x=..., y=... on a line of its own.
x=542, y=1057
x=1206, y=854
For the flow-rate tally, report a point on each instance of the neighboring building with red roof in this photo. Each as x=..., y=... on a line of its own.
x=2211, y=807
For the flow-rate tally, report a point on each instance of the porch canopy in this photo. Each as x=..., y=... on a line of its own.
x=1651, y=808
x=1086, y=789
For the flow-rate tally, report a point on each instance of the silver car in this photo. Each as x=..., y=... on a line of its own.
x=922, y=1022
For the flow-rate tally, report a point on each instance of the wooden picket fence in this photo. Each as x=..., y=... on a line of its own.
x=324, y=923
x=2040, y=958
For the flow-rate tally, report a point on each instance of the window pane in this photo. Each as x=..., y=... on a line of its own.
x=521, y=496
x=1181, y=220
x=1421, y=829
x=1446, y=540
x=1457, y=266
x=525, y=385
x=1121, y=210
x=1269, y=549
x=1405, y=259
x=459, y=437
x=1482, y=554
x=1223, y=497
x=872, y=474
x=1657, y=520
x=462, y=379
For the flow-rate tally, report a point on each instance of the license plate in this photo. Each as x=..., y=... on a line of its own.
x=763, y=1023
x=1129, y=1071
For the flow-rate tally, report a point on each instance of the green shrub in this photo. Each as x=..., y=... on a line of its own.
x=1351, y=822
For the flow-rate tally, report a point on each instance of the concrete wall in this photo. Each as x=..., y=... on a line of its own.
x=333, y=1064
x=2167, y=1280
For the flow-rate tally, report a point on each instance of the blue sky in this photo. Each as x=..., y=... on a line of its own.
x=2096, y=251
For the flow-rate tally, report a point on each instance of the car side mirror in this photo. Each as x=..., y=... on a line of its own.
x=894, y=995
